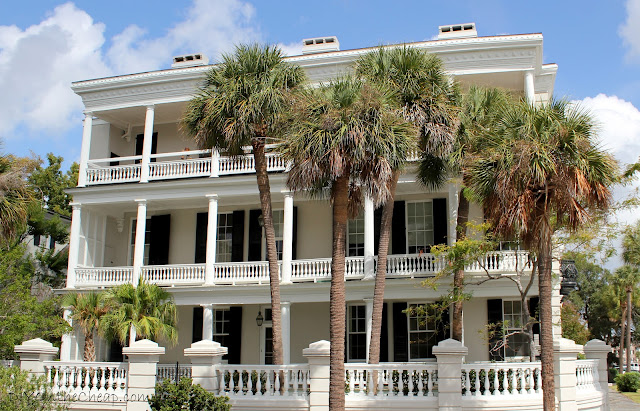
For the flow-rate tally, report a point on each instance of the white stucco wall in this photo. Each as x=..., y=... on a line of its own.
x=185, y=326
x=309, y=323
x=474, y=321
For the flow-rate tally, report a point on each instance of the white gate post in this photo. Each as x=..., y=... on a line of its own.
x=317, y=355
x=34, y=353
x=449, y=354
x=598, y=350
x=141, y=378
x=205, y=356
x=565, y=354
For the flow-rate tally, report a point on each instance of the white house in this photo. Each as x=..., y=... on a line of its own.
x=150, y=204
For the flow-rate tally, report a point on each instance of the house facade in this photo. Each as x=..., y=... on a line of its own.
x=151, y=205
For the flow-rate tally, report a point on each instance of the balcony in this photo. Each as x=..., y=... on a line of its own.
x=309, y=270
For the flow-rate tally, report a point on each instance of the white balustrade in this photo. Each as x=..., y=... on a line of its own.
x=241, y=272
x=490, y=379
x=391, y=379
x=409, y=265
x=317, y=269
x=172, y=372
x=115, y=174
x=180, y=165
x=173, y=274
x=501, y=261
x=264, y=380
x=103, y=275
x=88, y=381
x=246, y=164
x=587, y=375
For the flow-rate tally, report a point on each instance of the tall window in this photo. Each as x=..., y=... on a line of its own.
x=419, y=226
x=516, y=345
x=278, y=228
x=223, y=240
x=221, y=326
x=147, y=241
x=357, y=333
x=355, y=236
x=422, y=335
x=268, y=337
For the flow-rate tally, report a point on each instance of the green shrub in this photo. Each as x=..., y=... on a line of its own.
x=184, y=395
x=22, y=391
x=628, y=382
x=613, y=373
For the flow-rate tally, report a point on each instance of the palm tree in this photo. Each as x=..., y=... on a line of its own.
x=544, y=173
x=630, y=275
x=427, y=99
x=345, y=136
x=240, y=104
x=142, y=311
x=87, y=311
x=15, y=195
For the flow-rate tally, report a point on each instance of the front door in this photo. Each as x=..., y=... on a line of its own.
x=266, y=338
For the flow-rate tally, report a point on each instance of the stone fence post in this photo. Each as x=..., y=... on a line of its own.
x=33, y=353
x=205, y=356
x=565, y=354
x=449, y=354
x=598, y=350
x=141, y=379
x=317, y=355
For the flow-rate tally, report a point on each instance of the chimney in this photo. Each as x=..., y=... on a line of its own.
x=320, y=45
x=190, y=60
x=457, y=31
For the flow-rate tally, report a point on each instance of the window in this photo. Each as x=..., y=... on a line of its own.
x=419, y=227
x=516, y=345
x=278, y=228
x=147, y=241
x=268, y=337
x=224, y=238
x=52, y=243
x=357, y=333
x=355, y=236
x=221, y=326
x=422, y=334
x=36, y=240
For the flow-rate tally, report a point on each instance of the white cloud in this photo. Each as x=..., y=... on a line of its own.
x=630, y=29
x=291, y=49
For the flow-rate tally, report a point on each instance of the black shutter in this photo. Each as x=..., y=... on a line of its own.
x=115, y=351
x=160, y=231
x=398, y=229
x=235, y=335
x=196, y=332
x=440, y=221
x=255, y=236
x=400, y=332
x=237, y=236
x=114, y=163
x=533, y=311
x=294, y=246
x=202, y=221
x=377, y=219
x=139, y=144
x=494, y=316
x=384, y=336
x=154, y=144
x=36, y=240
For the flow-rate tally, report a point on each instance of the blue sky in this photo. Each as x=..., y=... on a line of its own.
x=45, y=44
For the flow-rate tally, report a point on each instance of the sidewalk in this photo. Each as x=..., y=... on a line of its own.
x=619, y=402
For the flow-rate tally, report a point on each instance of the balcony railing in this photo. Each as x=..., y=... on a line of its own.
x=309, y=270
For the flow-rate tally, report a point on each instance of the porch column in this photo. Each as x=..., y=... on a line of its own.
x=453, y=200
x=529, y=87
x=86, y=147
x=74, y=243
x=138, y=248
x=212, y=236
x=67, y=339
x=368, y=314
x=285, y=317
x=369, y=271
x=215, y=163
x=287, y=238
x=207, y=322
x=146, y=145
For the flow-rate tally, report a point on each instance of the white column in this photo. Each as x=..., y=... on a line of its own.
x=212, y=235
x=285, y=317
x=138, y=248
x=529, y=87
x=86, y=147
x=207, y=322
x=287, y=238
x=67, y=339
x=146, y=145
x=369, y=242
x=215, y=163
x=368, y=314
x=74, y=244
x=454, y=199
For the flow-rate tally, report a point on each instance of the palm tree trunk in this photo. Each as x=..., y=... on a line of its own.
x=622, y=334
x=381, y=272
x=546, y=323
x=337, y=308
x=629, y=312
x=458, y=277
x=89, y=348
x=272, y=254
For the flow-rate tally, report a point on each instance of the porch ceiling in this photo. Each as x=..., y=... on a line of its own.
x=135, y=116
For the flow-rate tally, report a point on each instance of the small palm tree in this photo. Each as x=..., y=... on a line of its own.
x=346, y=137
x=543, y=172
x=142, y=311
x=427, y=97
x=240, y=104
x=630, y=276
x=87, y=311
x=15, y=196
